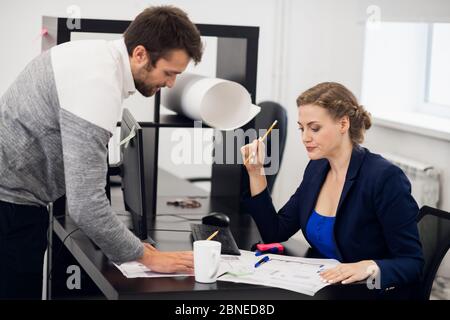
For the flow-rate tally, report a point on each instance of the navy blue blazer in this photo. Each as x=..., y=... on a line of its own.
x=375, y=218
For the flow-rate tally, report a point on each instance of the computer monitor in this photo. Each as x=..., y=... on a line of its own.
x=134, y=186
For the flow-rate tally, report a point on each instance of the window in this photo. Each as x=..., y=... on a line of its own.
x=438, y=77
x=407, y=68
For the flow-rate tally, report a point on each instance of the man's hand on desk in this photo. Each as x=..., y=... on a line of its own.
x=167, y=262
x=350, y=272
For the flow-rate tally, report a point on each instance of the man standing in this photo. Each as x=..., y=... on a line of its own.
x=55, y=122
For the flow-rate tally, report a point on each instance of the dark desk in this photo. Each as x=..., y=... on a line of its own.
x=113, y=285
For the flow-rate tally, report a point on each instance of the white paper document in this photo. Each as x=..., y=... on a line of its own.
x=290, y=273
x=285, y=272
x=134, y=269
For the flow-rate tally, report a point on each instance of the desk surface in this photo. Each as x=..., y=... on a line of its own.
x=114, y=285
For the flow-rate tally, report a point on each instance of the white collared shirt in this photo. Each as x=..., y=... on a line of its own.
x=92, y=78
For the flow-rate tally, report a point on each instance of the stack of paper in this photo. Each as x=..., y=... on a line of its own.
x=290, y=273
x=135, y=269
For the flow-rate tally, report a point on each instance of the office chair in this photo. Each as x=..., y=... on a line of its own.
x=434, y=232
x=270, y=111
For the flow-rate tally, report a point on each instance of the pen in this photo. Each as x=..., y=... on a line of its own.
x=320, y=268
x=213, y=235
x=263, y=260
x=262, y=139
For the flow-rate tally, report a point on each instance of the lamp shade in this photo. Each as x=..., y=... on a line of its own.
x=220, y=103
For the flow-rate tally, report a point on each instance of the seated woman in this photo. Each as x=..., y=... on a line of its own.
x=352, y=205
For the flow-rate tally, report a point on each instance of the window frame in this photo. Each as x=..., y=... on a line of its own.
x=426, y=106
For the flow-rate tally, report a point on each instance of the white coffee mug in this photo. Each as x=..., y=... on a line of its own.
x=206, y=260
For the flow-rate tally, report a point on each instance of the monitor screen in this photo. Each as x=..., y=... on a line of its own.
x=134, y=184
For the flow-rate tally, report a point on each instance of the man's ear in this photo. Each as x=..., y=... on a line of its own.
x=140, y=55
x=344, y=124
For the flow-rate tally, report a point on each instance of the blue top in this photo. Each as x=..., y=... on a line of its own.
x=319, y=231
x=375, y=218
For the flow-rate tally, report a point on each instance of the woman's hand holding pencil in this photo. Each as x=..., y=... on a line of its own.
x=253, y=153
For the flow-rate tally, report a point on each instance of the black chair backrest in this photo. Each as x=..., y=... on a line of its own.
x=271, y=111
x=434, y=231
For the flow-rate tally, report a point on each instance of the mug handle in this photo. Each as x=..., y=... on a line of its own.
x=215, y=257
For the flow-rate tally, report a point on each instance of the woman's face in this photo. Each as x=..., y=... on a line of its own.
x=321, y=134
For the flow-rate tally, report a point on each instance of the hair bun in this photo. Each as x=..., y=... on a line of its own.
x=365, y=116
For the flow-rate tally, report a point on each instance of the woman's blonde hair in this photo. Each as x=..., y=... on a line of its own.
x=339, y=102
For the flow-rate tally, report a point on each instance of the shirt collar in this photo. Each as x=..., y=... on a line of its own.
x=128, y=81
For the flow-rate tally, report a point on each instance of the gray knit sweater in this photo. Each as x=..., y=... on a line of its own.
x=48, y=149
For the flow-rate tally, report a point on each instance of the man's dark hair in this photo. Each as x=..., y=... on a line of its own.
x=161, y=29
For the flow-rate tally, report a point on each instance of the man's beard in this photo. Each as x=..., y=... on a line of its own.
x=145, y=90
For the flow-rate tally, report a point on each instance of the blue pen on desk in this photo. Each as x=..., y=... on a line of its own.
x=263, y=260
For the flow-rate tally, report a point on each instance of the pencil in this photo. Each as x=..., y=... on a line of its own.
x=262, y=139
x=213, y=235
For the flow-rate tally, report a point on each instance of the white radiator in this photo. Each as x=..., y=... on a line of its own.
x=424, y=179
